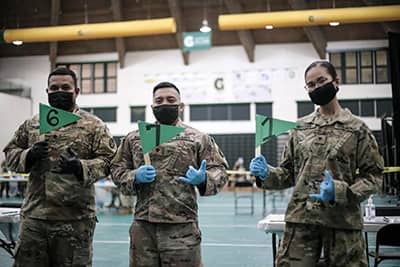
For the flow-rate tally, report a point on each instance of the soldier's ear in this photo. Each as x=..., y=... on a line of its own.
x=77, y=91
x=181, y=107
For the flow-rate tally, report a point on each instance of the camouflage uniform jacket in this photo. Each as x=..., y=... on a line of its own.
x=168, y=200
x=54, y=196
x=342, y=145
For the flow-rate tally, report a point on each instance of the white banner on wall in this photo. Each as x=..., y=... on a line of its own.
x=205, y=87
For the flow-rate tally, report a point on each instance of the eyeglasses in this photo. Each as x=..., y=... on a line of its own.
x=310, y=86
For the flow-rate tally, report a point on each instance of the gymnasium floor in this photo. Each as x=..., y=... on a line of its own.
x=228, y=239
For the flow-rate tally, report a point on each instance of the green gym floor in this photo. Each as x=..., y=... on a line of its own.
x=228, y=239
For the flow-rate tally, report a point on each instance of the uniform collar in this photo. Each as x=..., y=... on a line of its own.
x=317, y=118
x=179, y=123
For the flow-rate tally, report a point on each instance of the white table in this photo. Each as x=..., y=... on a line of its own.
x=275, y=224
x=108, y=184
x=9, y=224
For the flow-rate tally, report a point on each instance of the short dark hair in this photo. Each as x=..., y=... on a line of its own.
x=63, y=71
x=326, y=64
x=165, y=85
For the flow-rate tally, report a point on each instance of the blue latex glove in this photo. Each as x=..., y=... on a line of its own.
x=193, y=176
x=145, y=174
x=259, y=167
x=327, y=190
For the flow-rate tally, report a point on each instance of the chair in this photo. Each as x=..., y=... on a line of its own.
x=238, y=185
x=388, y=235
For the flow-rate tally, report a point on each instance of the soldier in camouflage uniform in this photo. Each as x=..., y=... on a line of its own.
x=165, y=231
x=320, y=161
x=58, y=214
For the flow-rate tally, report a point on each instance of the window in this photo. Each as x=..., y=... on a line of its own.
x=353, y=105
x=217, y=112
x=367, y=108
x=138, y=113
x=304, y=108
x=382, y=72
x=107, y=114
x=336, y=60
x=199, y=113
x=350, y=65
x=264, y=109
x=365, y=66
x=384, y=107
x=364, y=107
x=240, y=112
x=95, y=78
x=242, y=145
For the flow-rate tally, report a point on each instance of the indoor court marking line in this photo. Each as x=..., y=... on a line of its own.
x=201, y=225
x=202, y=244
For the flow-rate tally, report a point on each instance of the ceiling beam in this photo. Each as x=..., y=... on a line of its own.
x=315, y=34
x=386, y=26
x=54, y=19
x=245, y=36
x=119, y=42
x=176, y=12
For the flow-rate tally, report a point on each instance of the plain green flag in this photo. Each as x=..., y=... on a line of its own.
x=152, y=135
x=51, y=118
x=268, y=127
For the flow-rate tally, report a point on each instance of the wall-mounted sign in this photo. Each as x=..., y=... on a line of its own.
x=196, y=41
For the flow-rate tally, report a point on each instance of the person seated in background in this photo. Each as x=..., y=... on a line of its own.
x=241, y=179
x=4, y=186
x=114, y=196
x=127, y=201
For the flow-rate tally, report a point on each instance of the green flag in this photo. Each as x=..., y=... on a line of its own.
x=53, y=118
x=268, y=127
x=152, y=135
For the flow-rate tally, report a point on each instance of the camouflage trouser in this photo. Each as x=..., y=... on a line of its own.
x=302, y=244
x=164, y=244
x=55, y=243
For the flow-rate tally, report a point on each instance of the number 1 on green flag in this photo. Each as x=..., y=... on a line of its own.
x=268, y=127
x=153, y=135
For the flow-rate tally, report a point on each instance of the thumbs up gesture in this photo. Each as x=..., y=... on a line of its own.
x=193, y=176
x=327, y=190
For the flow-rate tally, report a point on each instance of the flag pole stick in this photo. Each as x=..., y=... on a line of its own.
x=147, y=159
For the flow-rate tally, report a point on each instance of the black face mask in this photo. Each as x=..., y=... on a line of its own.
x=61, y=100
x=324, y=94
x=166, y=114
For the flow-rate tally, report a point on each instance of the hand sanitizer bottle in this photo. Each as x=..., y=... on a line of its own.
x=370, y=209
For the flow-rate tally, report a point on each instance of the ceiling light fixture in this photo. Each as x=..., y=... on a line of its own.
x=17, y=42
x=334, y=23
x=204, y=24
x=205, y=27
x=269, y=27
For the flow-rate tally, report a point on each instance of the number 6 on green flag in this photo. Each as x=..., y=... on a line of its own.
x=51, y=118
